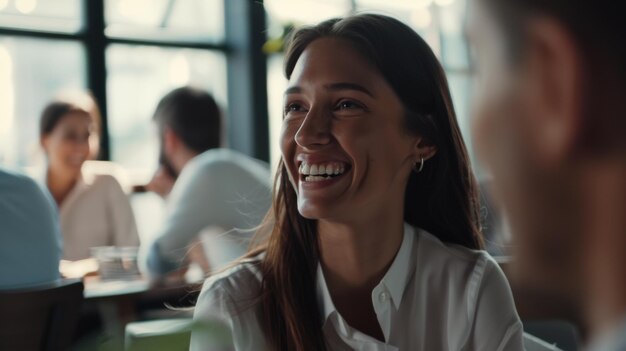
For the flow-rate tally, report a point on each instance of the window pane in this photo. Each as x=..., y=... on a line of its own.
x=276, y=85
x=138, y=76
x=27, y=84
x=167, y=19
x=305, y=11
x=454, y=49
x=49, y=15
x=418, y=14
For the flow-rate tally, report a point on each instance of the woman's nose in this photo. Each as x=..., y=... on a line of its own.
x=315, y=129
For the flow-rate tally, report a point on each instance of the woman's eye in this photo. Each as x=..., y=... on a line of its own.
x=76, y=137
x=348, y=105
x=70, y=136
x=293, y=108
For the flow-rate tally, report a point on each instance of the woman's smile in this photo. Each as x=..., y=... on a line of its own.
x=317, y=176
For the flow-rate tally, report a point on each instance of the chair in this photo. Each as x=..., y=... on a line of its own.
x=164, y=334
x=40, y=318
x=533, y=343
x=175, y=335
x=559, y=332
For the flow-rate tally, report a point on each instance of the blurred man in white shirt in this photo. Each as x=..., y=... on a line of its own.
x=211, y=187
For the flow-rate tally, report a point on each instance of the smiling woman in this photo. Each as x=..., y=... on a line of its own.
x=93, y=209
x=373, y=238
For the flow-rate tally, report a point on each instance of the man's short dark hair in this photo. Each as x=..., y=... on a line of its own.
x=193, y=115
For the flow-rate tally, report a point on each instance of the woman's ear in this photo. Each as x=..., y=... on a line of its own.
x=424, y=150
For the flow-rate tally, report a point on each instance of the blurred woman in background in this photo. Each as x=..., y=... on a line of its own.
x=94, y=210
x=374, y=237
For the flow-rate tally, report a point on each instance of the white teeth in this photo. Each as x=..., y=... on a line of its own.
x=314, y=170
x=315, y=178
x=327, y=169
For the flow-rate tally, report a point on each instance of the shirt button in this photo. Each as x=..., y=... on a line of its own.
x=383, y=297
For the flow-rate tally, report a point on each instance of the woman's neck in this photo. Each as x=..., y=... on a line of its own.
x=357, y=255
x=60, y=184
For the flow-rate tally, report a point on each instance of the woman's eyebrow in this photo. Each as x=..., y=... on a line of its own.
x=349, y=86
x=293, y=90
x=333, y=87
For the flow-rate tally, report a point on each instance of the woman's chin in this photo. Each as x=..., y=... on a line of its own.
x=73, y=169
x=310, y=211
x=313, y=211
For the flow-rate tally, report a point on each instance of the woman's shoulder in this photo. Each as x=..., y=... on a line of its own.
x=106, y=181
x=464, y=264
x=229, y=299
x=233, y=286
x=104, y=185
x=477, y=291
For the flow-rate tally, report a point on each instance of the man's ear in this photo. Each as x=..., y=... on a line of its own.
x=171, y=142
x=44, y=140
x=553, y=87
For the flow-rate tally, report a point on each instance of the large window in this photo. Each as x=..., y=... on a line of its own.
x=128, y=53
x=439, y=22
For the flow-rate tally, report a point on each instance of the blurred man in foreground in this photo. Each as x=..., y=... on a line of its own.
x=213, y=187
x=550, y=124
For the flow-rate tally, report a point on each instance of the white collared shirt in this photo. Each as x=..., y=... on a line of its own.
x=218, y=188
x=433, y=297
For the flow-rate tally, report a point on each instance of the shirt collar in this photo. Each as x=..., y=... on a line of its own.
x=395, y=279
x=324, y=301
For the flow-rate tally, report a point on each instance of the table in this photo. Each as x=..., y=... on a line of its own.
x=96, y=288
x=119, y=301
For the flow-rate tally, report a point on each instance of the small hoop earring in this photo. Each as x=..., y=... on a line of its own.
x=419, y=169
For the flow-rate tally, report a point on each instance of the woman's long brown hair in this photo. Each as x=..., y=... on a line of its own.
x=442, y=199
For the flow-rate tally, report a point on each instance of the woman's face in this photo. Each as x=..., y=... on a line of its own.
x=344, y=141
x=67, y=146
